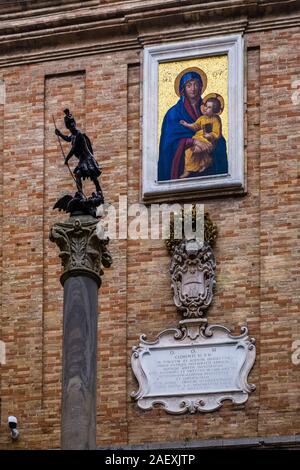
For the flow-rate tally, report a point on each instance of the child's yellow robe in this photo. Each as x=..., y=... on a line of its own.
x=198, y=162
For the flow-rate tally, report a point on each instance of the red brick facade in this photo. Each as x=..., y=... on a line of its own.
x=257, y=251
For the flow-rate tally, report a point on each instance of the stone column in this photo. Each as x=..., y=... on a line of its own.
x=82, y=252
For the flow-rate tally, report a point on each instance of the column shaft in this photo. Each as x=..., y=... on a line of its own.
x=79, y=363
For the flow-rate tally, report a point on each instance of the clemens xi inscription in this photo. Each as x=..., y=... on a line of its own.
x=196, y=366
x=194, y=369
x=183, y=372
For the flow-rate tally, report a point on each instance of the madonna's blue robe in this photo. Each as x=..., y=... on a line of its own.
x=172, y=145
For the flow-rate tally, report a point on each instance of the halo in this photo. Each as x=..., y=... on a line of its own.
x=218, y=97
x=190, y=69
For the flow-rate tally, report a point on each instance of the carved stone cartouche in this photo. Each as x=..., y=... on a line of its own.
x=192, y=271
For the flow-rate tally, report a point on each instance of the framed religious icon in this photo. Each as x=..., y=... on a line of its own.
x=193, y=115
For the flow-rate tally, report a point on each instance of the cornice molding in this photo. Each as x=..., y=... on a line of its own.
x=292, y=21
x=50, y=33
x=194, y=31
x=70, y=52
x=15, y=8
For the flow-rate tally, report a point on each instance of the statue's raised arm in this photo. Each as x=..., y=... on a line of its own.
x=87, y=166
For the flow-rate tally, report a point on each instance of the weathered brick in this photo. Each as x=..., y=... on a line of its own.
x=257, y=249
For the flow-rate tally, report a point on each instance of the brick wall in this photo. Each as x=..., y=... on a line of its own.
x=257, y=250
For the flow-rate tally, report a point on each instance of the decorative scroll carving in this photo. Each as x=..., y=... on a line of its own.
x=82, y=251
x=195, y=367
x=193, y=375
x=193, y=277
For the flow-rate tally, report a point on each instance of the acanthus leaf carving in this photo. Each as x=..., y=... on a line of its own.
x=81, y=250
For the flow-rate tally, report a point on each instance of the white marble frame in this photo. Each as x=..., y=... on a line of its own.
x=233, y=182
x=201, y=401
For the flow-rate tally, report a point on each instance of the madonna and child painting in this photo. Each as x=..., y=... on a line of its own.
x=191, y=140
x=193, y=119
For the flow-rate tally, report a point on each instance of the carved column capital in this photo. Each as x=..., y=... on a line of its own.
x=83, y=250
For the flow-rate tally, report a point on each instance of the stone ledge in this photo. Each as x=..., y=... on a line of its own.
x=56, y=29
x=277, y=442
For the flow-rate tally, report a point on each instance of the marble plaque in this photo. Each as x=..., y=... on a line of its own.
x=183, y=372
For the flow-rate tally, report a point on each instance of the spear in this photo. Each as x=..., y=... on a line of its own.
x=63, y=153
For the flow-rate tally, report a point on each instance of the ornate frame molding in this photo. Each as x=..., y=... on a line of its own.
x=234, y=181
x=193, y=335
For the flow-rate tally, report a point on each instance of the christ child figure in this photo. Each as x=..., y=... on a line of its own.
x=208, y=129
